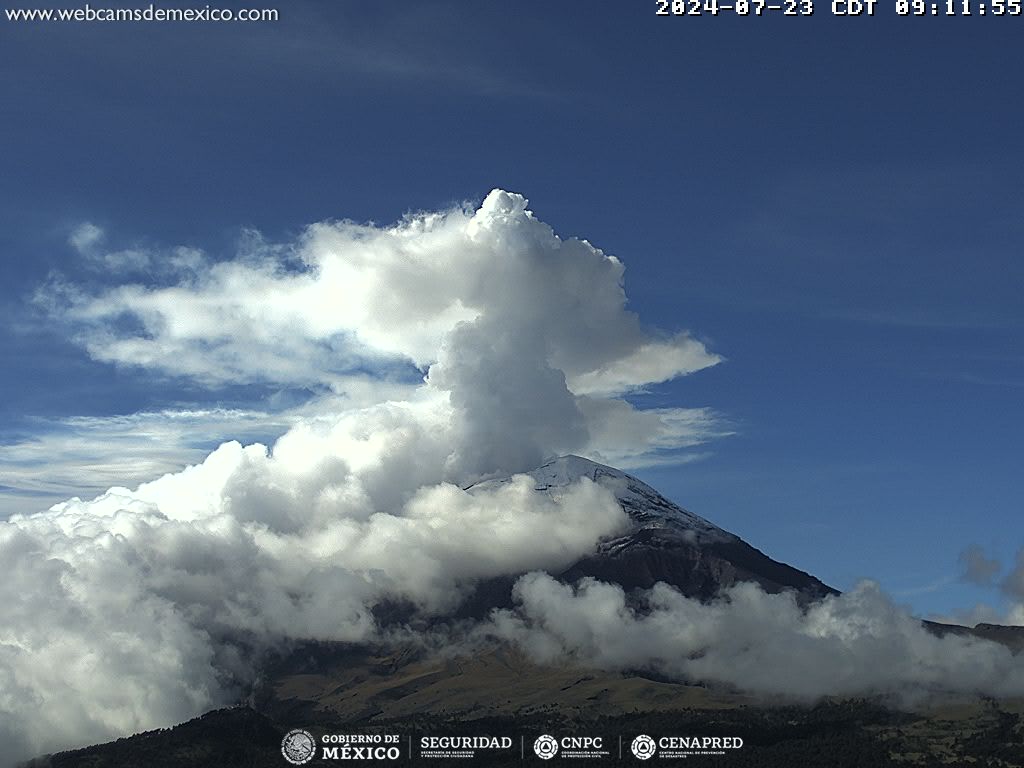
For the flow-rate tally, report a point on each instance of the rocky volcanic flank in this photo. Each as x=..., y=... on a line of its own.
x=665, y=543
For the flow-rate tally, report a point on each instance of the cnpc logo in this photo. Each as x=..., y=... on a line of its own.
x=547, y=746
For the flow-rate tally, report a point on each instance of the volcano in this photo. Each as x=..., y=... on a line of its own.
x=664, y=543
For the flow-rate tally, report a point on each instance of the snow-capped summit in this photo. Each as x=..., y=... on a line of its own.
x=645, y=506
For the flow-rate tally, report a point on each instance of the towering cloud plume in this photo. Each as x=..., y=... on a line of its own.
x=524, y=336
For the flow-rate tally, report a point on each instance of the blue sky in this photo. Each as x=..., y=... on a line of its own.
x=832, y=205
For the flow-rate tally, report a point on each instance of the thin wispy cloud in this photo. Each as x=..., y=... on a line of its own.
x=85, y=237
x=84, y=456
x=977, y=568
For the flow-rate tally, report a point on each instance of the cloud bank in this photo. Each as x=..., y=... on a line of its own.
x=143, y=608
x=858, y=643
